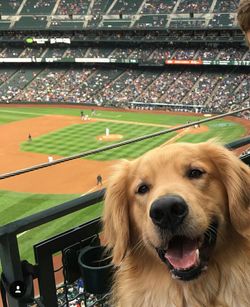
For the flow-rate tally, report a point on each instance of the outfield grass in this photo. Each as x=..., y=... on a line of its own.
x=163, y=119
x=225, y=131
x=10, y=115
x=32, y=237
x=14, y=206
x=79, y=138
x=24, y=204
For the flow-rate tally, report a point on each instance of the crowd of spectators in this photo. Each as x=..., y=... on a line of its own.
x=38, y=7
x=158, y=88
x=226, y=6
x=55, y=86
x=154, y=21
x=195, y=6
x=231, y=90
x=158, y=7
x=203, y=89
x=216, y=90
x=113, y=90
x=221, y=20
x=94, y=35
x=153, y=13
x=5, y=75
x=78, y=7
x=231, y=54
x=126, y=7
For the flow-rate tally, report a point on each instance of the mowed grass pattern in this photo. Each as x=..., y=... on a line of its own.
x=79, y=138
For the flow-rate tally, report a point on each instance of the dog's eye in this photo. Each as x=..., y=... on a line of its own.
x=195, y=173
x=143, y=189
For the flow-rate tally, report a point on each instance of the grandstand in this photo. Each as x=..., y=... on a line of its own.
x=151, y=55
x=72, y=14
x=119, y=64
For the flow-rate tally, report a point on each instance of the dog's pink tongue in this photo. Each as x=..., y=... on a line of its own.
x=182, y=253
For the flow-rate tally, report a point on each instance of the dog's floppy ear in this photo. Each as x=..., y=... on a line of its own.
x=115, y=216
x=236, y=178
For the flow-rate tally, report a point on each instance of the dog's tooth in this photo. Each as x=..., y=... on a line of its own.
x=175, y=277
x=204, y=268
x=197, y=253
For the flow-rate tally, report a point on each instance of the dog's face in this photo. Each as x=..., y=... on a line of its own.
x=179, y=203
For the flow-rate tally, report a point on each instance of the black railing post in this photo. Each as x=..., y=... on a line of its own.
x=47, y=284
x=11, y=264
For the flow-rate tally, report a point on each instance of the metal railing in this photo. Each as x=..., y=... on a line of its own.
x=12, y=266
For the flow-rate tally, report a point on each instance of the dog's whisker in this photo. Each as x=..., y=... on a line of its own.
x=138, y=247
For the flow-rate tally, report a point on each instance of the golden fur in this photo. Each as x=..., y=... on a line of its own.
x=142, y=280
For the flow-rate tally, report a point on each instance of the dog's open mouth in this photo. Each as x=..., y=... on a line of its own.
x=186, y=257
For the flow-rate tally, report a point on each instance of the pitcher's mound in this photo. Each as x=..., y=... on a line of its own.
x=109, y=138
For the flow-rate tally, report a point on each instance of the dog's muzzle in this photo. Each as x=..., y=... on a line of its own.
x=187, y=258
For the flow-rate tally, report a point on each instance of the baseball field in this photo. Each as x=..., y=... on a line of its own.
x=59, y=131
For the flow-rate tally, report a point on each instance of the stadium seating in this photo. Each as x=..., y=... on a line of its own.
x=79, y=14
x=118, y=24
x=126, y=7
x=225, y=6
x=100, y=7
x=187, y=23
x=16, y=82
x=199, y=94
x=11, y=52
x=28, y=22
x=109, y=93
x=9, y=7
x=194, y=6
x=5, y=74
x=212, y=89
x=76, y=7
x=154, y=54
x=158, y=6
x=4, y=25
x=121, y=84
x=66, y=25
x=38, y=7
x=154, y=21
x=221, y=20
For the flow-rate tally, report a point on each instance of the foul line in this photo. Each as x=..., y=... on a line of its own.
x=20, y=112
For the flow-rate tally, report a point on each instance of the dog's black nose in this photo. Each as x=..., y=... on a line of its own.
x=168, y=212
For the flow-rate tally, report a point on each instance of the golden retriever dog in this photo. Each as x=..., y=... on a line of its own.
x=177, y=220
